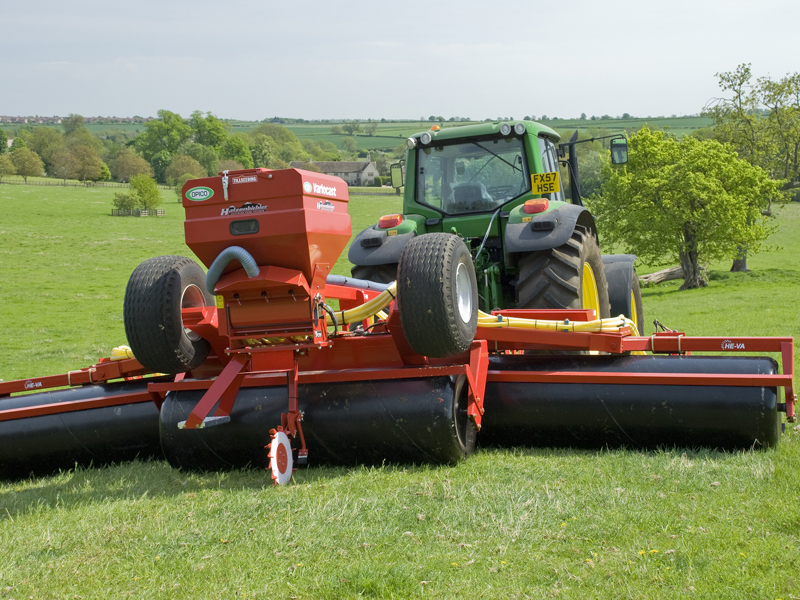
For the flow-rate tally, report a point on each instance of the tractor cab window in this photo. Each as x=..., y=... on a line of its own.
x=472, y=176
x=550, y=164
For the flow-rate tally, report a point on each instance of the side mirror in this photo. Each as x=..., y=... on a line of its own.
x=619, y=151
x=397, y=171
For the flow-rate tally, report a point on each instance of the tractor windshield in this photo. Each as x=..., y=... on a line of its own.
x=472, y=176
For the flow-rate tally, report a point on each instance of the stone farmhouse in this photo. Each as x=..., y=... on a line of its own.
x=354, y=173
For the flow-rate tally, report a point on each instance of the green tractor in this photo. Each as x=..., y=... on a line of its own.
x=498, y=187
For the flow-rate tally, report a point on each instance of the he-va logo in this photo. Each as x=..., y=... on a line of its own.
x=731, y=345
x=199, y=194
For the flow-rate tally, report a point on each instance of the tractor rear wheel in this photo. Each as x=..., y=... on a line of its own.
x=157, y=291
x=437, y=294
x=569, y=276
x=376, y=273
x=624, y=293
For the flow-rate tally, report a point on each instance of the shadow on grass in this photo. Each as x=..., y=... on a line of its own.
x=153, y=479
x=142, y=479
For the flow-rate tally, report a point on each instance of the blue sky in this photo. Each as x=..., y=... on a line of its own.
x=251, y=59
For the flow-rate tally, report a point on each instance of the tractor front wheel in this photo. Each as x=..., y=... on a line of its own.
x=157, y=291
x=569, y=276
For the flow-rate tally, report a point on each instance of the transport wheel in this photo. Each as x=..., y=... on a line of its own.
x=624, y=293
x=157, y=291
x=569, y=276
x=376, y=273
x=437, y=295
x=281, y=461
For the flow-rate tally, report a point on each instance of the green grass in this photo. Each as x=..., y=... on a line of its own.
x=505, y=524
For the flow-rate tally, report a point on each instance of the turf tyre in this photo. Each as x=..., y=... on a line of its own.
x=553, y=278
x=437, y=294
x=152, y=313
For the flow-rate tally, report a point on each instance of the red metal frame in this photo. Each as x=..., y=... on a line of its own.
x=388, y=356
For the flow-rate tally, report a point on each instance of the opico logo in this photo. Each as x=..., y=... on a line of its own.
x=731, y=345
x=307, y=187
x=198, y=194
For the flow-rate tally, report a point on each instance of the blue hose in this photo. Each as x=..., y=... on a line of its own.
x=225, y=257
x=356, y=283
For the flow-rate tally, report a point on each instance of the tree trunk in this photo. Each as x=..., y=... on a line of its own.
x=662, y=276
x=740, y=264
x=693, y=276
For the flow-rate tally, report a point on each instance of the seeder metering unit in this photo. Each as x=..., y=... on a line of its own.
x=252, y=355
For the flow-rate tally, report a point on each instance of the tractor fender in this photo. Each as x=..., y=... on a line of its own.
x=557, y=225
x=373, y=246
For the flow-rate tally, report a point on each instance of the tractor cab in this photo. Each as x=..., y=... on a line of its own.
x=471, y=176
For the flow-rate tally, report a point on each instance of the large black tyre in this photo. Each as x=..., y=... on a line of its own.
x=437, y=294
x=376, y=273
x=624, y=293
x=569, y=276
x=156, y=292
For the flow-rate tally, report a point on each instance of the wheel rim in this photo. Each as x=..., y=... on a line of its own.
x=591, y=297
x=192, y=297
x=634, y=314
x=464, y=292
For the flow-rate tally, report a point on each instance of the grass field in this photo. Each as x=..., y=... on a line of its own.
x=530, y=523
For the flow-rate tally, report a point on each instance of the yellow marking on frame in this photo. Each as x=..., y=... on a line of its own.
x=220, y=302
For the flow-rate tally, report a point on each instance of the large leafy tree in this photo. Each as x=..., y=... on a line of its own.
x=166, y=133
x=684, y=200
x=205, y=155
x=127, y=164
x=263, y=151
x=287, y=145
x=45, y=141
x=63, y=164
x=88, y=165
x=27, y=162
x=3, y=141
x=146, y=191
x=236, y=148
x=761, y=120
x=73, y=123
x=6, y=166
x=208, y=130
x=184, y=165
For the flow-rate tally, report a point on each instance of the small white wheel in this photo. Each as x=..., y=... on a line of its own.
x=280, y=457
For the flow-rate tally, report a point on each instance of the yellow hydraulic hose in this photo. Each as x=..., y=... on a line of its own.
x=611, y=325
x=366, y=310
x=121, y=353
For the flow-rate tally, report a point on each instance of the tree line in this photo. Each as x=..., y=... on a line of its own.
x=171, y=149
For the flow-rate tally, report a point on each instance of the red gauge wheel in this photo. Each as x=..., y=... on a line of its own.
x=280, y=457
